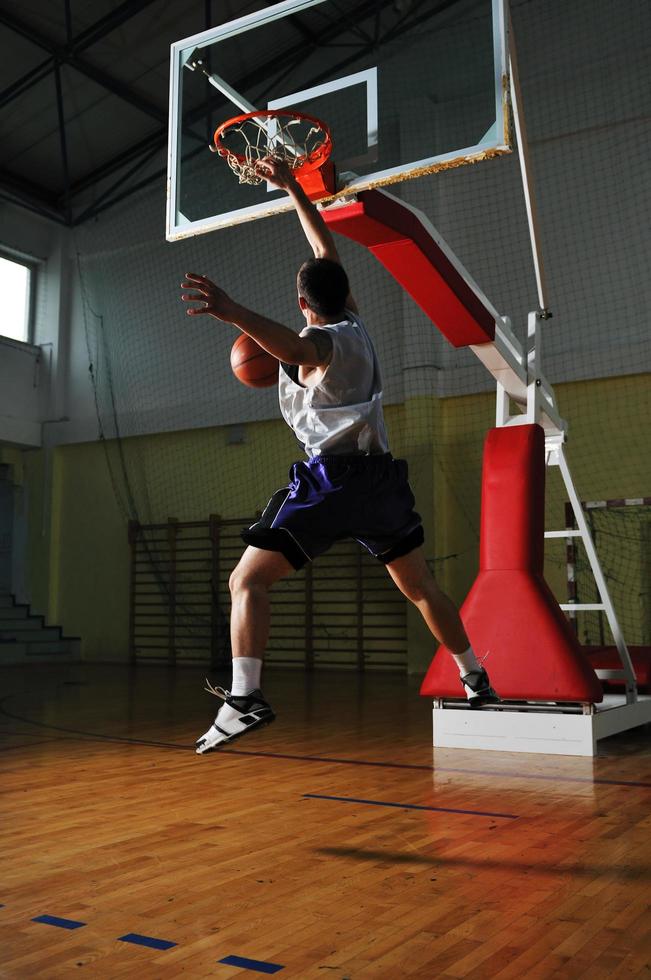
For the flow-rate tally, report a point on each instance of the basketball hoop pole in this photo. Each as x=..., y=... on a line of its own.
x=555, y=455
x=526, y=171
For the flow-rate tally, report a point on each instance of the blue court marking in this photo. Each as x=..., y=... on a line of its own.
x=137, y=940
x=411, y=806
x=54, y=920
x=248, y=964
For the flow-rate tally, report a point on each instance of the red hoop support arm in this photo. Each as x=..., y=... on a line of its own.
x=510, y=611
x=402, y=241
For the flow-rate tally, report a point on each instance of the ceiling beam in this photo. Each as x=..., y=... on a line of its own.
x=32, y=77
x=155, y=141
x=63, y=142
x=267, y=70
x=67, y=55
x=105, y=25
x=18, y=190
x=147, y=147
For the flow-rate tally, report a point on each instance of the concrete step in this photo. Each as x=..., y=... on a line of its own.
x=35, y=647
x=28, y=631
x=64, y=651
x=6, y=599
x=10, y=613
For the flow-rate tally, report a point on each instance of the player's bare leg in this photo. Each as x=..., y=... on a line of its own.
x=244, y=706
x=250, y=583
x=414, y=579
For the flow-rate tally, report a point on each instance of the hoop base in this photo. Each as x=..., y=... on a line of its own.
x=319, y=183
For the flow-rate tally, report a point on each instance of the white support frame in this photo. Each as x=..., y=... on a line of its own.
x=545, y=731
x=564, y=729
x=556, y=457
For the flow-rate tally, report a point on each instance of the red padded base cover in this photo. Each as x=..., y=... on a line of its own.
x=510, y=612
x=533, y=654
x=607, y=658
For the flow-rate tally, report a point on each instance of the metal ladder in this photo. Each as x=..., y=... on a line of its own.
x=555, y=456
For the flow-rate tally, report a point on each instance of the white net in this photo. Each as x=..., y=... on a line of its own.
x=296, y=140
x=184, y=439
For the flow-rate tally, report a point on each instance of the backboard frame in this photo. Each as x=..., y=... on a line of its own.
x=495, y=143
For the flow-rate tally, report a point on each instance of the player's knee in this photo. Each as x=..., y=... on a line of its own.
x=245, y=580
x=239, y=580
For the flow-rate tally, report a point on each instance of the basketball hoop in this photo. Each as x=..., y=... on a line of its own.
x=303, y=142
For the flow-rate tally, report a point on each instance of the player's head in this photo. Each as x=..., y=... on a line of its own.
x=323, y=286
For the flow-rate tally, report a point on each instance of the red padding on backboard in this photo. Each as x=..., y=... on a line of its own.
x=510, y=612
x=405, y=247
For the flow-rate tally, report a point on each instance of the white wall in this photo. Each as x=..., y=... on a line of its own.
x=587, y=95
x=33, y=376
x=20, y=389
x=586, y=86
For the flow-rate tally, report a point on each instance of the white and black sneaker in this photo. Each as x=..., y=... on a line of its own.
x=238, y=715
x=478, y=688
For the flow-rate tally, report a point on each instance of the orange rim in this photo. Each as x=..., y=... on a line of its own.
x=311, y=161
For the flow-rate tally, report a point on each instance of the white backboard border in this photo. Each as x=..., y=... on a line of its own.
x=495, y=142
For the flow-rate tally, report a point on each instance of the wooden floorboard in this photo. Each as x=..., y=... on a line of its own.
x=491, y=865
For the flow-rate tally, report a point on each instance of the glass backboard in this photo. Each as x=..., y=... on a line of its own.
x=407, y=87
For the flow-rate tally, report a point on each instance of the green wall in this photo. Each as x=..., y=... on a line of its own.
x=78, y=552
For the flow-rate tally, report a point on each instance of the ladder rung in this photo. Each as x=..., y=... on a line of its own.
x=611, y=675
x=582, y=606
x=569, y=533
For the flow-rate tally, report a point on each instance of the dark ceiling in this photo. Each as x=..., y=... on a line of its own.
x=84, y=89
x=84, y=97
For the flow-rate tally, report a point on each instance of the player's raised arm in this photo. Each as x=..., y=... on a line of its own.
x=319, y=236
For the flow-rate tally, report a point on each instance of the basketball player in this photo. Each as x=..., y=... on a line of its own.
x=350, y=485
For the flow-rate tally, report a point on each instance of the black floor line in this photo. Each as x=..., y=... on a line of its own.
x=555, y=777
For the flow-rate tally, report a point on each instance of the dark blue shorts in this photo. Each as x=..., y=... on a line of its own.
x=330, y=498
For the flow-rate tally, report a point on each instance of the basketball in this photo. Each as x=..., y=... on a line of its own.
x=252, y=365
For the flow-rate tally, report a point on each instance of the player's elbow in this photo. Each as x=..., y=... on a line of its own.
x=299, y=353
x=327, y=253
x=314, y=351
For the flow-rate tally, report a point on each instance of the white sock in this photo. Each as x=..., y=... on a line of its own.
x=466, y=661
x=246, y=675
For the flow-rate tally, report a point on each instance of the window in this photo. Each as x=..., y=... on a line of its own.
x=16, y=279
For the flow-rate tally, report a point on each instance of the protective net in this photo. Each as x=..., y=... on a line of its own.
x=184, y=440
x=621, y=531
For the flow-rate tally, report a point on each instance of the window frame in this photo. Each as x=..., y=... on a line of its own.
x=31, y=264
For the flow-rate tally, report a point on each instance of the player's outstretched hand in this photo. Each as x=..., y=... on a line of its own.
x=277, y=172
x=214, y=300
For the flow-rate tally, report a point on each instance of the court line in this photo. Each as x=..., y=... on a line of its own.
x=149, y=941
x=557, y=778
x=54, y=920
x=435, y=769
x=260, y=966
x=410, y=806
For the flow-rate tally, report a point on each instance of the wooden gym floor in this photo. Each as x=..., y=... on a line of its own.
x=334, y=844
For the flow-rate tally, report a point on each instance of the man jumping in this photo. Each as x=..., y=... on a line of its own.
x=330, y=391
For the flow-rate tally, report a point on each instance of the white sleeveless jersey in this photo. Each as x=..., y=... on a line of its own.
x=343, y=412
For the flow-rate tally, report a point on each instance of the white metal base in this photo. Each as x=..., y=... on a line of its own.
x=538, y=731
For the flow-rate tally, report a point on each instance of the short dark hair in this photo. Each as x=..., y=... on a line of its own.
x=323, y=284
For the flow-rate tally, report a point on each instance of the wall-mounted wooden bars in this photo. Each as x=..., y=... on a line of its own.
x=342, y=611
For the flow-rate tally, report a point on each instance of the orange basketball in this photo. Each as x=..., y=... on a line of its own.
x=252, y=365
